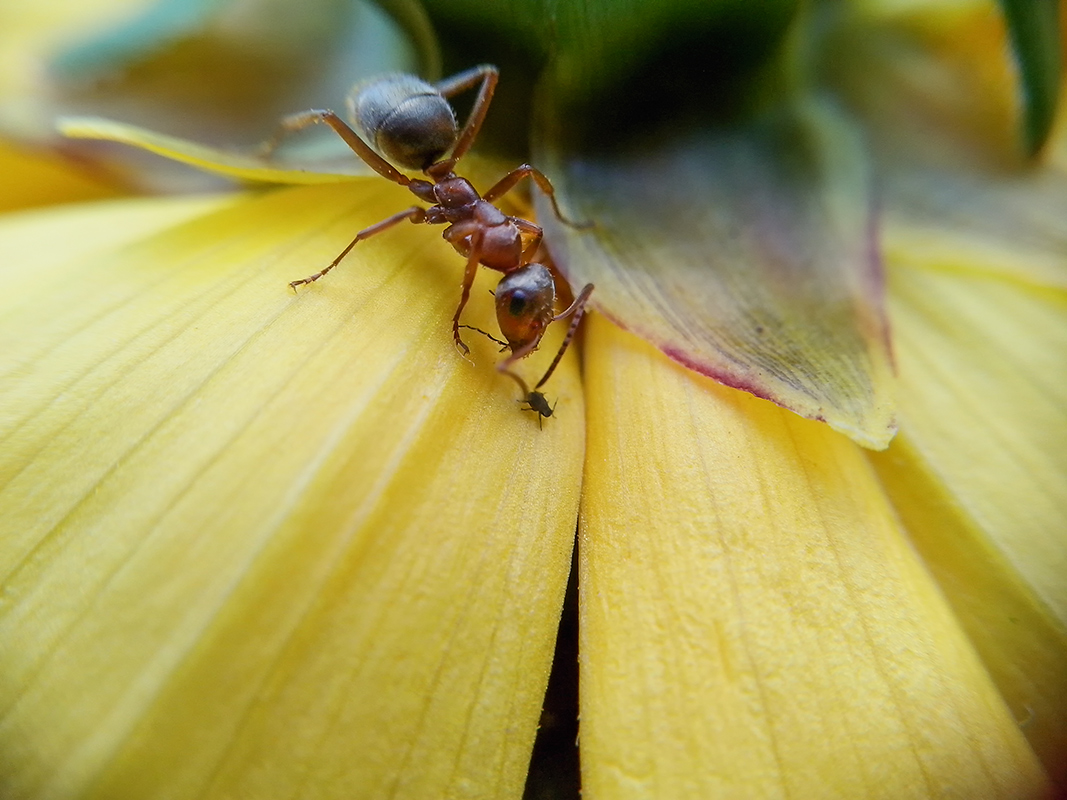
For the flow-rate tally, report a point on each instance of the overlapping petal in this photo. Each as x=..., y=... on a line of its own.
x=979, y=475
x=753, y=622
x=256, y=544
x=745, y=251
x=974, y=241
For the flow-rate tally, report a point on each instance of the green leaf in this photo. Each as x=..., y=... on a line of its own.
x=1035, y=27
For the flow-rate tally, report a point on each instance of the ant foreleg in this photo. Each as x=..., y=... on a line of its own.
x=468, y=280
x=507, y=183
x=487, y=74
x=576, y=310
x=416, y=214
x=305, y=119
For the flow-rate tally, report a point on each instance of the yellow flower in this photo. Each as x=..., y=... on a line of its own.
x=263, y=545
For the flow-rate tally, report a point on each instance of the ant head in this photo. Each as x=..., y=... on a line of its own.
x=525, y=304
x=405, y=119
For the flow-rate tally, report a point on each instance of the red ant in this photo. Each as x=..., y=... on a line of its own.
x=411, y=123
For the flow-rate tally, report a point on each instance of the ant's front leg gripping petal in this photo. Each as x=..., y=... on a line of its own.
x=468, y=280
x=460, y=344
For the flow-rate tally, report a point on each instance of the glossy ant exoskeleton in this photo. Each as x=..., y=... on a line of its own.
x=410, y=122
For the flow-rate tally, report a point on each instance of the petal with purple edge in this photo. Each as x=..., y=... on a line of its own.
x=753, y=621
x=745, y=252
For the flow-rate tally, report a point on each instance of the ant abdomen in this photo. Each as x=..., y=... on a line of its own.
x=404, y=118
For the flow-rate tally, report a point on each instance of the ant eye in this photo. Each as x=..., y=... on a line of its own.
x=518, y=304
x=525, y=303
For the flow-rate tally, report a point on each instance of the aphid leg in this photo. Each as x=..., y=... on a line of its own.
x=468, y=280
x=535, y=233
x=507, y=183
x=487, y=74
x=576, y=310
x=416, y=214
x=304, y=119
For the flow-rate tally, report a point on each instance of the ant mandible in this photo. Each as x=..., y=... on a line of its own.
x=410, y=122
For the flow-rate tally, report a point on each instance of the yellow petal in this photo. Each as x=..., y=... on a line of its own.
x=753, y=623
x=256, y=544
x=979, y=476
x=41, y=178
x=246, y=166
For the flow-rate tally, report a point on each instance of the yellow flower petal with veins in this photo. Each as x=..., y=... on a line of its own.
x=255, y=543
x=753, y=622
x=980, y=474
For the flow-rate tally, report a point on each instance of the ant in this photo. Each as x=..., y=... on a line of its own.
x=410, y=122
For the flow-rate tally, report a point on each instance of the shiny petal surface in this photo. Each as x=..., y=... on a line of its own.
x=745, y=253
x=754, y=623
x=979, y=476
x=264, y=545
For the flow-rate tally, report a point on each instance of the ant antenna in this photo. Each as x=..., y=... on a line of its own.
x=503, y=345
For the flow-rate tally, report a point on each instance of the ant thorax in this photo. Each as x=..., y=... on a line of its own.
x=457, y=193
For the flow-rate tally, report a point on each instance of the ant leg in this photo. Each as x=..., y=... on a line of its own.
x=514, y=376
x=517, y=355
x=305, y=119
x=416, y=214
x=526, y=396
x=487, y=74
x=577, y=309
x=468, y=281
x=535, y=233
x=507, y=183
